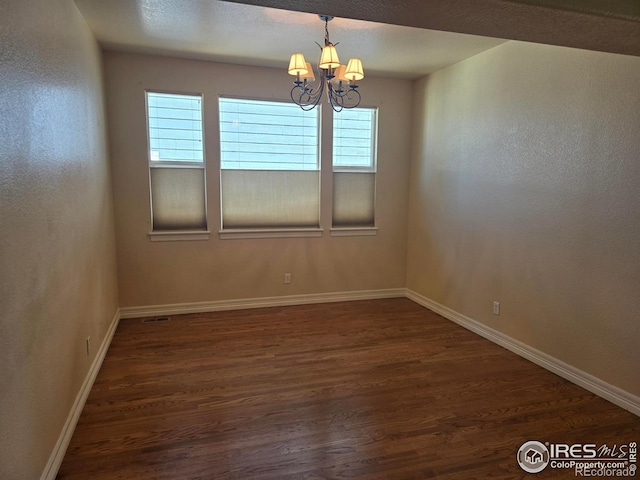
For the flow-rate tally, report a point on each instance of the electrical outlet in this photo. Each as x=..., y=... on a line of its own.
x=287, y=278
x=88, y=345
x=496, y=308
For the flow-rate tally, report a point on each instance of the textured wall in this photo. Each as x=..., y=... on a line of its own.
x=525, y=188
x=57, y=246
x=155, y=273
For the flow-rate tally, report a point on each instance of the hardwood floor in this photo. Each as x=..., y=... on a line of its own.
x=380, y=389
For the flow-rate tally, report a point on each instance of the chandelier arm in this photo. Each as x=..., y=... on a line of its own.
x=357, y=94
x=334, y=98
x=308, y=97
x=303, y=98
x=336, y=105
x=349, y=98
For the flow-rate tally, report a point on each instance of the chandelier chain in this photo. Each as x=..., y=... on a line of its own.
x=326, y=31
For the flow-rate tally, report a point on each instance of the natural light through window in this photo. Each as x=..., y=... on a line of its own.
x=354, y=169
x=354, y=133
x=270, y=172
x=267, y=135
x=175, y=127
x=176, y=165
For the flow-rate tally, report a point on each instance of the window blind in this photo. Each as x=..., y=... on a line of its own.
x=354, y=168
x=270, y=199
x=178, y=199
x=176, y=162
x=354, y=199
x=269, y=174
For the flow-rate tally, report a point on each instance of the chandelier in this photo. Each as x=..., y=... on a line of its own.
x=337, y=80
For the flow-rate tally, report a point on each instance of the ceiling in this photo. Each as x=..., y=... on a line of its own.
x=255, y=35
x=604, y=25
x=399, y=38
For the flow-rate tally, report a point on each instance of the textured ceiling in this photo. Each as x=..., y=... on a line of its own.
x=627, y=9
x=604, y=25
x=252, y=35
x=399, y=38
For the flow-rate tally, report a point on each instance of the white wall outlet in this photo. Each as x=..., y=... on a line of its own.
x=496, y=308
x=287, y=278
x=88, y=345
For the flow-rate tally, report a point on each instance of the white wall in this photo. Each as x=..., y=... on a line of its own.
x=525, y=188
x=152, y=273
x=57, y=245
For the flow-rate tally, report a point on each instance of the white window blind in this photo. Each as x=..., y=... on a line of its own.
x=269, y=174
x=178, y=199
x=354, y=167
x=270, y=199
x=176, y=162
x=354, y=196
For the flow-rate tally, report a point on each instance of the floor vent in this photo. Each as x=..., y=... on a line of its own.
x=156, y=319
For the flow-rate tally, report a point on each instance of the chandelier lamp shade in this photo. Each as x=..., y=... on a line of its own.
x=337, y=80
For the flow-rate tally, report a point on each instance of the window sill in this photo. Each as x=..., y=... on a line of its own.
x=354, y=231
x=270, y=233
x=179, y=236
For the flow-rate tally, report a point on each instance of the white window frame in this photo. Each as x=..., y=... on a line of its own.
x=374, y=147
x=372, y=169
x=267, y=232
x=177, y=235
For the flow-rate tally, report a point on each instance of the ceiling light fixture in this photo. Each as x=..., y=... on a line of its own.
x=338, y=81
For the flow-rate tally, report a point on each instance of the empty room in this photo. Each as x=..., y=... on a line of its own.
x=319, y=240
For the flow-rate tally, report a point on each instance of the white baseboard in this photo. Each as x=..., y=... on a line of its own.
x=55, y=460
x=595, y=385
x=239, y=304
x=609, y=392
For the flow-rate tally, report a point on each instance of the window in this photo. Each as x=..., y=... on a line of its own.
x=270, y=176
x=176, y=162
x=354, y=168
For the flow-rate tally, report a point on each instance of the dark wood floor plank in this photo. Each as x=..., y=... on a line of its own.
x=380, y=389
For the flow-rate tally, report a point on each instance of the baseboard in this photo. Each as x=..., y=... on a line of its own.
x=199, y=307
x=609, y=392
x=55, y=460
x=593, y=384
